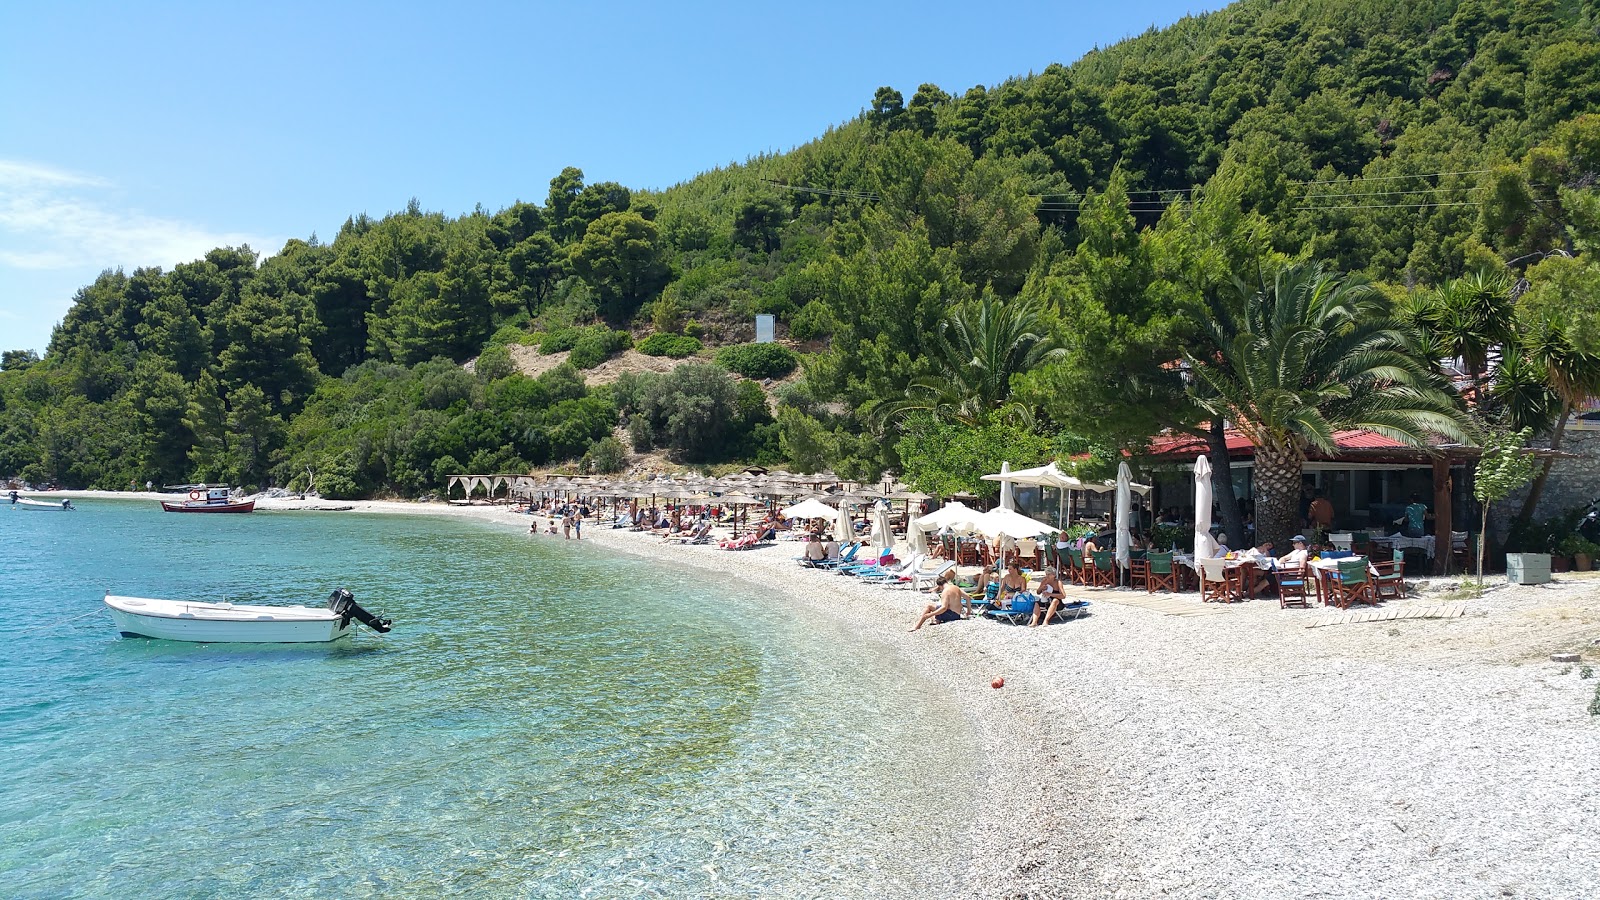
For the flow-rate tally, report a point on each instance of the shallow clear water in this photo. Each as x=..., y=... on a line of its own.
x=546, y=720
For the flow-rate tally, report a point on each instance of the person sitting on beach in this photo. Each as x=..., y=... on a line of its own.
x=1012, y=582
x=953, y=603
x=1050, y=591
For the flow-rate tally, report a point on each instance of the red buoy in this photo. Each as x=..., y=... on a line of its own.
x=998, y=683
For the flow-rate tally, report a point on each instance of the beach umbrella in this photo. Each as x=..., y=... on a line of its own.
x=1204, y=546
x=738, y=501
x=1007, y=501
x=882, y=535
x=955, y=515
x=1010, y=523
x=917, y=540
x=841, y=522
x=809, y=509
x=1124, y=501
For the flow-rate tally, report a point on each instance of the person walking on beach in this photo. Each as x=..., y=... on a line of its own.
x=566, y=522
x=953, y=603
x=577, y=522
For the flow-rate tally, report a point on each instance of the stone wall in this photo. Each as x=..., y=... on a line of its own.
x=1573, y=482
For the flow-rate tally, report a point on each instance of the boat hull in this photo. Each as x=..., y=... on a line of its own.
x=207, y=507
x=223, y=623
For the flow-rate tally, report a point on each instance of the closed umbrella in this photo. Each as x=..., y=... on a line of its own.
x=1006, y=500
x=1124, y=502
x=844, y=531
x=1204, y=546
x=917, y=540
x=882, y=535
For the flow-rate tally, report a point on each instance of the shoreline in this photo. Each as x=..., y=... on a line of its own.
x=1167, y=747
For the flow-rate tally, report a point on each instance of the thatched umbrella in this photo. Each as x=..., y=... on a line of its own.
x=739, y=501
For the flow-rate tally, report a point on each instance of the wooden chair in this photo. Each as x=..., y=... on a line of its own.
x=1219, y=583
x=1390, y=581
x=1104, y=571
x=1350, y=584
x=1292, y=588
x=1076, y=569
x=1159, y=572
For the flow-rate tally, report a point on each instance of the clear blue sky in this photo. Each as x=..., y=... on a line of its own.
x=145, y=134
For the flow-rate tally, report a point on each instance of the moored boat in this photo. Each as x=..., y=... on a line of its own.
x=221, y=623
x=20, y=502
x=210, y=500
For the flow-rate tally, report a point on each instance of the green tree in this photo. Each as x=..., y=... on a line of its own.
x=1503, y=467
x=622, y=257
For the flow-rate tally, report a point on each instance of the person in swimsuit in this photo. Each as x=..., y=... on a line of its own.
x=953, y=603
x=1013, y=582
x=1050, y=591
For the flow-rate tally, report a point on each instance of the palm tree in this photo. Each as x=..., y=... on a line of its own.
x=1467, y=318
x=977, y=348
x=1309, y=355
x=1571, y=368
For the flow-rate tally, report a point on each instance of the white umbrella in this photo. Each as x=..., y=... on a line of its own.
x=810, y=509
x=1006, y=500
x=956, y=515
x=1010, y=523
x=1204, y=545
x=917, y=540
x=1124, y=501
x=844, y=531
x=882, y=535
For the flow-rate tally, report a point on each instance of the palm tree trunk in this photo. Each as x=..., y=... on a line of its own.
x=1277, y=494
x=1222, y=484
x=1537, y=490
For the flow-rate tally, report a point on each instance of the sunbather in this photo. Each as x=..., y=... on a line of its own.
x=1050, y=591
x=953, y=604
x=1012, y=582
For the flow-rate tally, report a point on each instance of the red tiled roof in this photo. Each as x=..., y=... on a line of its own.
x=1239, y=445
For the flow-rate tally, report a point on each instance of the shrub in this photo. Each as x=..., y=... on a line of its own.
x=605, y=456
x=693, y=328
x=596, y=344
x=509, y=334
x=673, y=345
x=559, y=340
x=494, y=363
x=641, y=434
x=814, y=320
x=758, y=360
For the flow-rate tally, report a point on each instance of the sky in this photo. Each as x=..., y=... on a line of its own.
x=146, y=134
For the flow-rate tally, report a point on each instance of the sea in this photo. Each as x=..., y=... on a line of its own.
x=547, y=719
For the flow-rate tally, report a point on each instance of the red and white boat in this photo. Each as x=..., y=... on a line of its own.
x=203, y=499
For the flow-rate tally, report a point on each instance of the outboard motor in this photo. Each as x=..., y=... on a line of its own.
x=343, y=603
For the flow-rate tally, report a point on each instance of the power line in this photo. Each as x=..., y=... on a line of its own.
x=1394, y=177
x=1391, y=205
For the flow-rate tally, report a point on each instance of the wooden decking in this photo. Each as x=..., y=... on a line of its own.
x=1420, y=611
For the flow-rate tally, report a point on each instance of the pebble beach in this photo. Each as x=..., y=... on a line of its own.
x=1162, y=747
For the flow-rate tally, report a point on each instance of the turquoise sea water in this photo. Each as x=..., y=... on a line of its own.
x=546, y=720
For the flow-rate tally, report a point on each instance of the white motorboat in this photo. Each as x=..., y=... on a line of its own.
x=19, y=502
x=209, y=622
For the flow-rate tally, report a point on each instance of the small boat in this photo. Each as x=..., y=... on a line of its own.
x=236, y=623
x=27, y=503
x=210, y=500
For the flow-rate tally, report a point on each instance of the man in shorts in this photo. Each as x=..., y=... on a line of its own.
x=953, y=602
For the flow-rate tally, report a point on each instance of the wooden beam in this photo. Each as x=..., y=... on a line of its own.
x=1442, y=515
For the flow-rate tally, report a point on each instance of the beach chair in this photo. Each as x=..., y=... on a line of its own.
x=1292, y=588
x=924, y=577
x=1020, y=610
x=1350, y=584
x=1067, y=612
x=895, y=574
x=1104, y=571
x=1076, y=571
x=846, y=557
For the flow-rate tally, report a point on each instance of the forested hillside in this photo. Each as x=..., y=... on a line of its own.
x=970, y=272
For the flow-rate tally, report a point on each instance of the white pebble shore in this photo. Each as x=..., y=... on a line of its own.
x=1241, y=754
